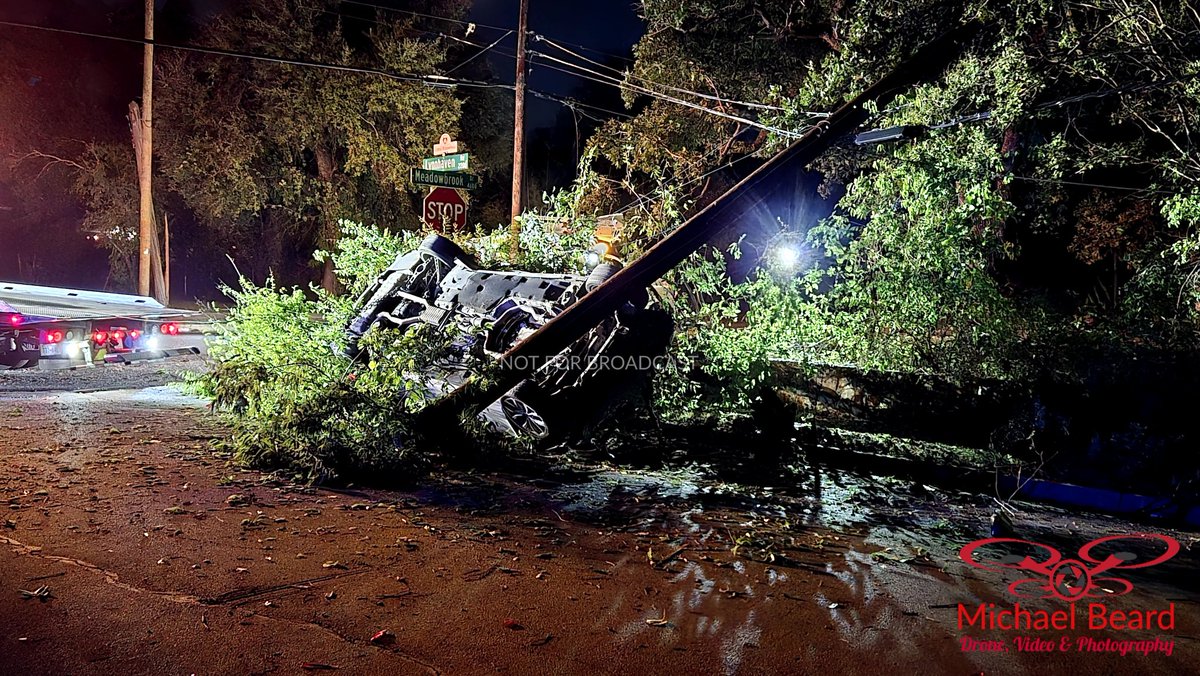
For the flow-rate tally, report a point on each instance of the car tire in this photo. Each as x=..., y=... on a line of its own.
x=600, y=274
x=445, y=249
x=531, y=412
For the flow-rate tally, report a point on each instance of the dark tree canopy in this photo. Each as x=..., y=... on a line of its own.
x=248, y=142
x=978, y=246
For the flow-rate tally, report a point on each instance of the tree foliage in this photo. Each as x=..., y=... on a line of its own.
x=988, y=246
x=720, y=59
x=106, y=183
x=298, y=147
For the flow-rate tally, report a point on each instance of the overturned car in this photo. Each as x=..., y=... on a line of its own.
x=491, y=311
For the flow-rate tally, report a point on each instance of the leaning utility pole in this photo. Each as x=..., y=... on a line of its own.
x=726, y=211
x=518, y=187
x=146, y=145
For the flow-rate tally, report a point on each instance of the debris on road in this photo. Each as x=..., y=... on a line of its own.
x=658, y=622
x=42, y=593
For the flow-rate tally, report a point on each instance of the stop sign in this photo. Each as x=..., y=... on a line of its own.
x=445, y=209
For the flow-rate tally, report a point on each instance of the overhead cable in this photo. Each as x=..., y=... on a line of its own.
x=614, y=82
x=470, y=25
x=480, y=53
x=1102, y=186
x=572, y=103
x=680, y=90
x=430, y=79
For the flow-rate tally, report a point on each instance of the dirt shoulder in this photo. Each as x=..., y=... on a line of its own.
x=138, y=374
x=160, y=557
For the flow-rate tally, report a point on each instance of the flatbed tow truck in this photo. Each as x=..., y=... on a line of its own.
x=51, y=323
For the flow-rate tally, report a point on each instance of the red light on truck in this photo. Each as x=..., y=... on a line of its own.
x=100, y=337
x=135, y=334
x=52, y=337
x=118, y=336
x=15, y=320
x=170, y=329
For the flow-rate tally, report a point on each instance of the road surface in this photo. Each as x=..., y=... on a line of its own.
x=129, y=546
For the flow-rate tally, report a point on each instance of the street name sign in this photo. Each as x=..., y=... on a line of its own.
x=459, y=162
x=444, y=179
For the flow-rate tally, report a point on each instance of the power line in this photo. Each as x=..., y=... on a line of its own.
x=571, y=103
x=911, y=131
x=596, y=51
x=614, y=82
x=1102, y=186
x=610, y=82
x=701, y=177
x=471, y=25
x=476, y=24
x=710, y=97
x=431, y=79
x=478, y=54
x=618, y=83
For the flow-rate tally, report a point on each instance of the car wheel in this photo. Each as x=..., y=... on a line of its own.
x=445, y=249
x=600, y=274
x=527, y=412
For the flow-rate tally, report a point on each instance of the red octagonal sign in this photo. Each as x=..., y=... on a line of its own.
x=445, y=210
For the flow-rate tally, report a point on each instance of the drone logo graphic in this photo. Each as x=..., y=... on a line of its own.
x=1088, y=576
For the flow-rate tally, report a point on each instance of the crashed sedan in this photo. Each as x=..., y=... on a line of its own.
x=490, y=311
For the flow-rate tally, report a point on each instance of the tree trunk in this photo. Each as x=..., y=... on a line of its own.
x=329, y=227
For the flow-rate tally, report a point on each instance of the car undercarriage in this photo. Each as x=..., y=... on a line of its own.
x=489, y=312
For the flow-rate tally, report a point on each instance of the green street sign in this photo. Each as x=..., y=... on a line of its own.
x=444, y=179
x=457, y=162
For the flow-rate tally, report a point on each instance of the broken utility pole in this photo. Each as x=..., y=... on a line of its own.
x=156, y=287
x=574, y=322
x=143, y=144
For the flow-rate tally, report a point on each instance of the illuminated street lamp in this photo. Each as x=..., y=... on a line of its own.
x=787, y=256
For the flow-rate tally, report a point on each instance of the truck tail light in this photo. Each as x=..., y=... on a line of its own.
x=52, y=337
x=135, y=334
x=100, y=337
x=15, y=320
x=118, y=336
x=170, y=329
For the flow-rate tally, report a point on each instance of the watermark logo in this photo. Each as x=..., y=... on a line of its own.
x=595, y=362
x=1092, y=574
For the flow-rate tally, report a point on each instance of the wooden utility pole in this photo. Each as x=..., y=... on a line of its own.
x=145, y=153
x=518, y=186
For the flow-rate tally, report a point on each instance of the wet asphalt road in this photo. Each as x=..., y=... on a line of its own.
x=160, y=556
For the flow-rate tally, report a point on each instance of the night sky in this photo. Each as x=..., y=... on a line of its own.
x=610, y=27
